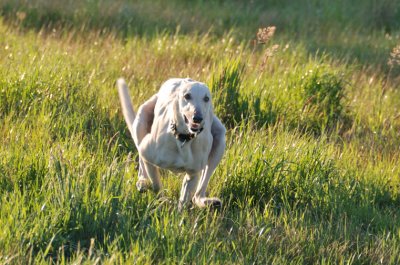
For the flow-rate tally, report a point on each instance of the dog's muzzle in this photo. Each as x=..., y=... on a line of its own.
x=195, y=124
x=184, y=137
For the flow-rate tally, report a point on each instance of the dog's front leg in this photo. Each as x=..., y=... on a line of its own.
x=189, y=185
x=217, y=150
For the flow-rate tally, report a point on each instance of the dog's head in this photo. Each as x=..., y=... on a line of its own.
x=195, y=105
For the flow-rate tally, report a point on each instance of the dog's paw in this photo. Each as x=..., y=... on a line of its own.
x=213, y=203
x=143, y=185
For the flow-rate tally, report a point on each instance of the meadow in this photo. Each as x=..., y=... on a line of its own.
x=311, y=170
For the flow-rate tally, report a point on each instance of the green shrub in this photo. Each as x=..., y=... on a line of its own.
x=323, y=101
x=225, y=88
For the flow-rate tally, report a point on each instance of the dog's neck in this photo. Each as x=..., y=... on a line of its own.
x=183, y=137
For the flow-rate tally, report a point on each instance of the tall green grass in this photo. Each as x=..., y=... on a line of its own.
x=310, y=174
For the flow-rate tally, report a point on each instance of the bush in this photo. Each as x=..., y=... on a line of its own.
x=225, y=88
x=323, y=101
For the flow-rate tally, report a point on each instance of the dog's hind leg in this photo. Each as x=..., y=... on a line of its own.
x=217, y=150
x=153, y=175
x=139, y=125
x=144, y=183
x=140, y=128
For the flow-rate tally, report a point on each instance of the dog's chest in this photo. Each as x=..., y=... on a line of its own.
x=177, y=156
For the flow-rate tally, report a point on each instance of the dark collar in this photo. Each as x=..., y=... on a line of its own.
x=183, y=137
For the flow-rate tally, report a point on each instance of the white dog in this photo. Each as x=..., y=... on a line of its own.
x=176, y=129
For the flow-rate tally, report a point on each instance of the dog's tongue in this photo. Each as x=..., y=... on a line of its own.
x=195, y=126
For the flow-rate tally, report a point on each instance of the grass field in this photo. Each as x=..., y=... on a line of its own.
x=311, y=171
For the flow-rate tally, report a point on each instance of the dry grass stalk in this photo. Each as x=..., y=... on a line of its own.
x=21, y=15
x=269, y=52
x=394, y=58
x=265, y=34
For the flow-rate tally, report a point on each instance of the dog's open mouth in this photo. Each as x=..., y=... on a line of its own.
x=193, y=126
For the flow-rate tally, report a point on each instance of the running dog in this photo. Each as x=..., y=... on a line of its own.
x=176, y=129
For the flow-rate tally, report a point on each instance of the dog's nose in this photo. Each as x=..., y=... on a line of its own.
x=197, y=118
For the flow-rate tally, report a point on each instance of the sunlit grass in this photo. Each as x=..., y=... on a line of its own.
x=310, y=173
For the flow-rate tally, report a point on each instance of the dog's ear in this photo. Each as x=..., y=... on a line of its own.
x=175, y=104
x=210, y=117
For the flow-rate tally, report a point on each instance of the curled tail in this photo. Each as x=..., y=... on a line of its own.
x=127, y=108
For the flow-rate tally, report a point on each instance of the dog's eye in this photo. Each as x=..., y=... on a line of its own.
x=206, y=99
x=187, y=96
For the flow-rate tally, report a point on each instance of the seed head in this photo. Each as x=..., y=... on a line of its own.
x=394, y=58
x=21, y=15
x=265, y=34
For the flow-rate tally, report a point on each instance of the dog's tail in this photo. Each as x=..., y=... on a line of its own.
x=127, y=108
